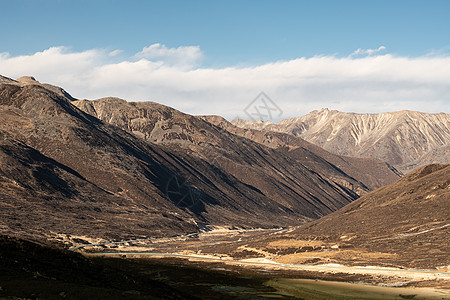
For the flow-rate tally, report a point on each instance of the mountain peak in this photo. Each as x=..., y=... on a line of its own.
x=30, y=80
x=27, y=80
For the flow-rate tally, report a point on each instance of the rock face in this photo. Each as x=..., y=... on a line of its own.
x=141, y=169
x=404, y=139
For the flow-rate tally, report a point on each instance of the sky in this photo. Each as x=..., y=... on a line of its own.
x=216, y=57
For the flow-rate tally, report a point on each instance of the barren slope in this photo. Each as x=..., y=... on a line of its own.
x=405, y=224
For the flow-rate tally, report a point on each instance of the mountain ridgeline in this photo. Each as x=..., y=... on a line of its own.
x=404, y=139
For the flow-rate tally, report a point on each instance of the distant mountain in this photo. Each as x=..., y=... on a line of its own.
x=360, y=174
x=141, y=169
x=404, y=224
x=404, y=139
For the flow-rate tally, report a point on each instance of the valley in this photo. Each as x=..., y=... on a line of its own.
x=174, y=203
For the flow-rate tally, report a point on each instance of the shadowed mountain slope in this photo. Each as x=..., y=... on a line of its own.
x=267, y=172
x=356, y=173
x=39, y=196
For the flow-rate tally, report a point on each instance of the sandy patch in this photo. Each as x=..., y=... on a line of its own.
x=287, y=243
x=332, y=256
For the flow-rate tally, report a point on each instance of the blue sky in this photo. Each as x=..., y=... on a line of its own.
x=227, y=34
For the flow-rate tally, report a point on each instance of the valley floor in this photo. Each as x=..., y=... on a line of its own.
x=210, y=265
x=231, y=250
x=389, y=277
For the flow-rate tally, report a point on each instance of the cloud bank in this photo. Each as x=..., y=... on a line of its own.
x=365, y=81
x=182, y=56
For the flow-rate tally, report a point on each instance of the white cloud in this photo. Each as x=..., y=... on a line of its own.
x=369, y=52
x=115, y=52
x=372, y=83
x=183, y=56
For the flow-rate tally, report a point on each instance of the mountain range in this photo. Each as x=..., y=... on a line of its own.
x=404, y=139
x=117, y=169
x=108, y=175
